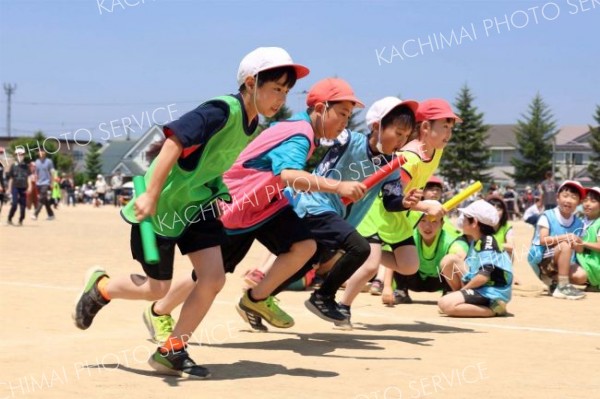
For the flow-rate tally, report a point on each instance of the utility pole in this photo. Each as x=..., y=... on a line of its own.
x=9, y=90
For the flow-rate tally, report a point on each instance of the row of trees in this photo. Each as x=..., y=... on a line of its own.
x=467, y=157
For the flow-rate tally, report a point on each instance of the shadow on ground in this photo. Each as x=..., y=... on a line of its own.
x=219, y=372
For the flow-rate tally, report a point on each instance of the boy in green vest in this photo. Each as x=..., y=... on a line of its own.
x=587, y=266
x=183, y=183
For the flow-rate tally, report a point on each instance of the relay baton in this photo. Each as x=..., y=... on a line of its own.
x=461, y=196
x=381, y=174
x=146, y=231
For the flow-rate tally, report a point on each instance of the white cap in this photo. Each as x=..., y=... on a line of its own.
x=381, y=108
x=19, y=150
x=264, y=58
x=483, y=211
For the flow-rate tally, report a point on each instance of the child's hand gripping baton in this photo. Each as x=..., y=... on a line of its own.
x=146, y=231
x=381, y=174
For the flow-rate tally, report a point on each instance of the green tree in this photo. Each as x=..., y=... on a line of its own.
x=466, y=157
x=534, y=135
x=355, y=124
x=93, y=164
x=594, y=166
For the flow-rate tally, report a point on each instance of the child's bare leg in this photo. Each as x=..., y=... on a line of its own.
x=284, y=266
x=136, y=286
x=579, y=275
x=452, y=268
x=389, y=262
x=179, y=291
x=362, y=275
x=208, y=265
x=454, y=305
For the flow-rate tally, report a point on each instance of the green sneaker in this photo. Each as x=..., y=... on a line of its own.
x=498, y=307
x=159, y=327
x=89, y=302
x=268, y=310
x=177, y=363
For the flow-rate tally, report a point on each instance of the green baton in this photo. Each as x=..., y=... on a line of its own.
x=146, y=231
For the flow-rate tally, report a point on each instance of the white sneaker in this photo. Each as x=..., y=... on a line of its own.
x=568, y=292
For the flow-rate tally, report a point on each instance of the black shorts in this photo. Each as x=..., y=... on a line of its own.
x=375, y=239
x=418, y=283
x=330, y=231
x=473, y=297
x=277, y=235
x=205, y=233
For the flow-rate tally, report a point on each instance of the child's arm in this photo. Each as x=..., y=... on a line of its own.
x=430, y=207
x=551, y=241
x=145, y=204
x=476, y=282
x=301, y=180
x=395, y=201
x=592, y=246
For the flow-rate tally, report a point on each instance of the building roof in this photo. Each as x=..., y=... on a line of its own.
x=571, y=133
x=113, y=153
x=502, y=136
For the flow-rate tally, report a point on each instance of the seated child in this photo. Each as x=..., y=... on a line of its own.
x=488, y=281
x=586, y=269
x=556, y=234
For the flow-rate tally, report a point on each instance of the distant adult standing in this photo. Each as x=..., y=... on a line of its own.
x=18, y=176
x=43, y=168
x=2, y=186
x=116, y=182
x=101, y=188
x=548, y=188
x=510, y=199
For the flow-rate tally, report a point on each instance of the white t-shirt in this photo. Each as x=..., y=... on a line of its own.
x=533, y=210
x=543, y=221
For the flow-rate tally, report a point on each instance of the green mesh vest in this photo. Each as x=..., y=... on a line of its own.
x=590, y=260
x=430, y=267
x=500, y=235
x=186, y=194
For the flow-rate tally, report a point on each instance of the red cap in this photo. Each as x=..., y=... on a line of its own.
x=435, y=180
x=332, y=89
x=594, y=189
x=435, y=108
x=576, y=185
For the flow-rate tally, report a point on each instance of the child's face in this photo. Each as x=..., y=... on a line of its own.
x=567, y=202
x=394, y=136
x=271, y=96
x=335, y=118
x=432, y=192
x=429, y=228
x=439, y=133
x=591, y=207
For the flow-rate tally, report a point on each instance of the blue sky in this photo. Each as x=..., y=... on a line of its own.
x=81, y=64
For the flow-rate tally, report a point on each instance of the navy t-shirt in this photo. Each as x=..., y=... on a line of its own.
x=196, y=127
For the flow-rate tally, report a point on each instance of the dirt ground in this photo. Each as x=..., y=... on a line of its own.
x=546, y=348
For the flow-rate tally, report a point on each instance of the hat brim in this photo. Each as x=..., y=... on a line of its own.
x=301, y=70
x=356, y=101
x=592, y=189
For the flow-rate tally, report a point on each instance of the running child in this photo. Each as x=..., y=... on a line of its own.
x=260, y=211
x=182, y=182
x=435, y=120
